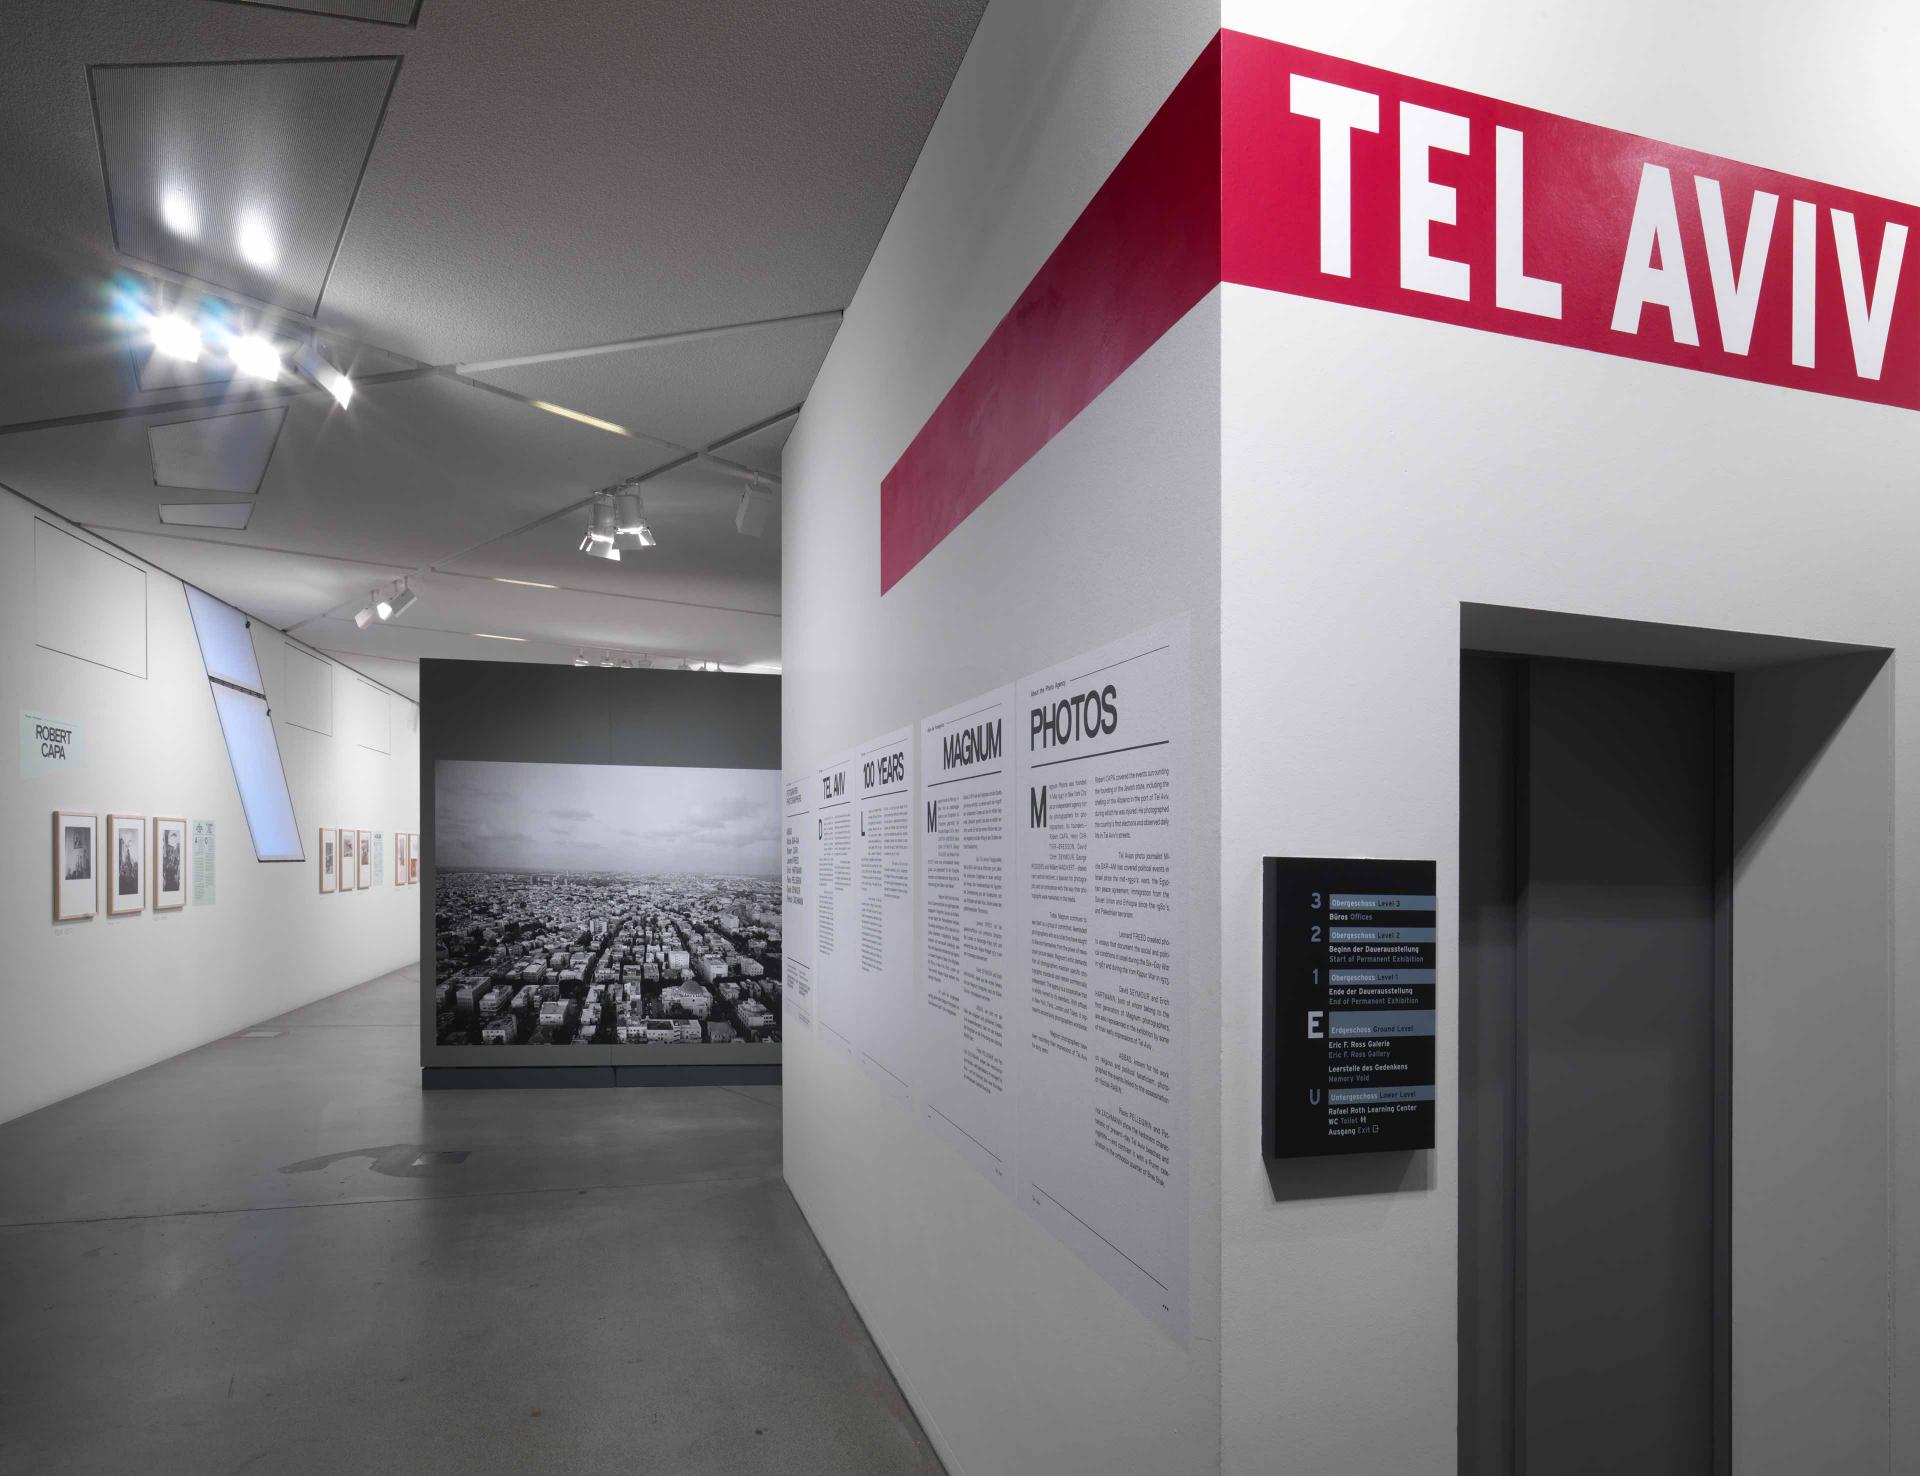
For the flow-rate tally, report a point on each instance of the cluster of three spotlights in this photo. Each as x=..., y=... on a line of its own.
x=174, y=335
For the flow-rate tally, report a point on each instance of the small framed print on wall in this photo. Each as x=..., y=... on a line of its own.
x=169, y=863
x=401, y=851
x=365, y=872
x=413, y=858
x=329, y=859
x=349, y=860
x=76, y=865
x=126, y=864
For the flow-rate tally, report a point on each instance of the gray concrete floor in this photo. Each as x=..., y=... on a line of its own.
x=248, y=1259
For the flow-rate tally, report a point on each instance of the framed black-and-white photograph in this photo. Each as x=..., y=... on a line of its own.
x=365, y=872
x=76, y=867
x=169, y=863
x=606, y=905
x=329, y=859
x=126, y=864
x=401, y=850
x=349, y=860
x=413, y=858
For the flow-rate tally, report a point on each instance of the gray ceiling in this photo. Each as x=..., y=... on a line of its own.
x=647, y=213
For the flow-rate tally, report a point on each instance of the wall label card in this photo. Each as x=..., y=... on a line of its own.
x=1350, y=958
x=968, y=990
x=48, y=745
x=203, y=863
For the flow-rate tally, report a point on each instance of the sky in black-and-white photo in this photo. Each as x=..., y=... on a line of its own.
x=590, y=817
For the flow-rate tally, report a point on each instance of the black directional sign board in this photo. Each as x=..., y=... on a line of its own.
x=1350, y=1005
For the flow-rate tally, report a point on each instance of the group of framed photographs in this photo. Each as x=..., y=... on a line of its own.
x=346, y=859
x=142, y=861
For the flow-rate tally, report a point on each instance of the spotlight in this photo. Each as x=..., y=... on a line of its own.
x=365, y=617
x=178, y=215
x=756, y=504
x=256, y=244
x=334, y=381
x=607, y=661
x=174, y=337
x=602, y=531
x=580, y=659
x=401, y=602
x=630, y=520
x=626, y=663
x=383, y=607
x=630, y=528
x=254, y=357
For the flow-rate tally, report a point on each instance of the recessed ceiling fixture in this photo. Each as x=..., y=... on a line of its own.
x=335, y=382
x=178, y=215
x=483, y=635
x=254, y=356
x=524, y=583
x=257, y=246
x=756, y=504
x=174, y=337
x=581, y=417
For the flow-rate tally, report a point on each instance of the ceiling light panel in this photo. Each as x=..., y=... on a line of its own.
x=385, y=12
x=232, y=515
x=239, y=175
x=218, y=453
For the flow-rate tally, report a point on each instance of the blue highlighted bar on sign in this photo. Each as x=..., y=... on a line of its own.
x=1370, y=1096
x=1382, y=902
x=1348, y=1023
x=1379, y=935
x=1379, y=976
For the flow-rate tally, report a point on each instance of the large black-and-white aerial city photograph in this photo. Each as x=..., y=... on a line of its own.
x=586, y=904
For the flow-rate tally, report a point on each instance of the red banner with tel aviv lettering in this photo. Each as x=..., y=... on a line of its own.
x=1360, y=186
x=1269, y=166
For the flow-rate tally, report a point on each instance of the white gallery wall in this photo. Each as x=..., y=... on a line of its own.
x=1377, y=472
x=1016, y=1356
x=1372, y=474
x=91, y=1000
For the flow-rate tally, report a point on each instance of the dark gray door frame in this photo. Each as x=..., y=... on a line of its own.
x=1492, y=1060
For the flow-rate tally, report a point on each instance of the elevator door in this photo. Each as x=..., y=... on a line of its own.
x=1591, y=971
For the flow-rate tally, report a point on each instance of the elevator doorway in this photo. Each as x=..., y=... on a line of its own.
x=1595, y=934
